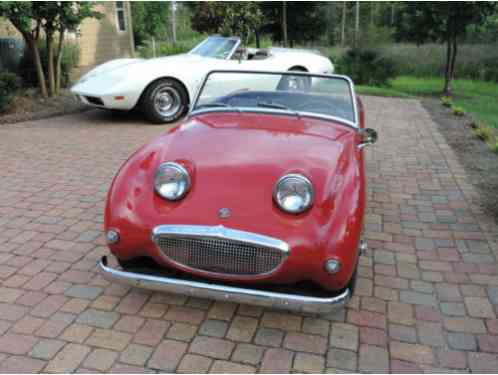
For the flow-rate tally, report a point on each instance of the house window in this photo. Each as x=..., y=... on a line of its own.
x=120, y=16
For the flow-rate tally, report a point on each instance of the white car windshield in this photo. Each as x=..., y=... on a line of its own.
x=325, y=96
x=216, y=47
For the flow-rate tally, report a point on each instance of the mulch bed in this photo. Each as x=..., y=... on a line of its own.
x=479, y=162
x=31, y=106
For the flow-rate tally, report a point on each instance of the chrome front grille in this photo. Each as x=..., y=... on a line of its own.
x=221, y=250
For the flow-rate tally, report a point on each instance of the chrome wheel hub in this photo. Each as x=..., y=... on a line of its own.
x=167, y=101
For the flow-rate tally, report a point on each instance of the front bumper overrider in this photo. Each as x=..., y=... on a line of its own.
x=220, y=292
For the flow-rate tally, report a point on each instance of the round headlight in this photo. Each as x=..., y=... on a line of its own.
x=293, y=193
x=172, y=181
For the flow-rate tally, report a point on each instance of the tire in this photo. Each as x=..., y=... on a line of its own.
x=165, y=101
x=293, y=83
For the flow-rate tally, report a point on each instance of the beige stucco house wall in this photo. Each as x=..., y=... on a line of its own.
x=100, y=40
x=107, y=38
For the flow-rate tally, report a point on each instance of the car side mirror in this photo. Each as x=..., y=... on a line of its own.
x=368, y=137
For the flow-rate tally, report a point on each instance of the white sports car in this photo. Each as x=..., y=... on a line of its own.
x=164, y=87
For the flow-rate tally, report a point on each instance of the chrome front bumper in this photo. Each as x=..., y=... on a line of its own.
x=220, y=292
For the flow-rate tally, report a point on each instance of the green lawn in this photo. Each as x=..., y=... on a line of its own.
x=478, y=98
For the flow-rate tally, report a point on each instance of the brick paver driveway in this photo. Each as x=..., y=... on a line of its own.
x=427, y=297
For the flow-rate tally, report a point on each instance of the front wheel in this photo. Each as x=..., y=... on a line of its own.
x=165, y=101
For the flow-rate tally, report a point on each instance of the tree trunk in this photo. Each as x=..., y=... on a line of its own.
x=50, y=63
x=453, y=58
x=284, y=23
x=58, y=59
x=31, y=43
x=343, y=24
x=357, y=24
x=258, y=42
x=447, y=73
x=173, y=20
x=392, y=14
x=372, y=13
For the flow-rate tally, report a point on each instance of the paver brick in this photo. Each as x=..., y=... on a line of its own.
x=12, y=343
x=344, y=336
x=136, y=354
x=412, y=352
x=212, y=347
x=46, y=348
x=97, y=318
x=305, y=343
x=100, y=359
x=479, y=307
x=276, y=361
x=242, y=329
x=342, y=359
x=182, y=332
x=21, y=364
x=373, y=359
x=167, y=355
x=483, y=362
x=215, y=328
x=77, y=333
x=231, y=368
x=309, y=363
x=248, y=353
x=68, y=359
x=83, y=291
x=152, y=332
x=269, y=337
x=193, y=364
x=282, y=321
x=108, y=339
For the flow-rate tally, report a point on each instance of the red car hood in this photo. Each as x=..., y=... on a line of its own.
x=234, y=160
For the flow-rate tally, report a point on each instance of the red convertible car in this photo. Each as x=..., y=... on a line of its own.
x=257, y=197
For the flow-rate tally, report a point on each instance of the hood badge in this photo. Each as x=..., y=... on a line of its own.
x=224, y=213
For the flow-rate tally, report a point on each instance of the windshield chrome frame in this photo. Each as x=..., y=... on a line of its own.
x=232, y=51
x=353, y=124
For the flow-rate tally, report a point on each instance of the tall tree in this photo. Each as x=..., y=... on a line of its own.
x=53, y=18
x=151, y=19
x=443, y=22
x=343, y=24
x=306, y=20
x=24, y=17
x=228, y=18
x=284, y=23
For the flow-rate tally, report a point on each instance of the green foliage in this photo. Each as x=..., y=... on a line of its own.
x=458, y=111
x=9, y=84
x=306, y=20
x=167, y=48
x=437, y=21
x=150, y=20
x=476, y=61
x=446, y=101
x=70, y=58
x=483, y=132
x=366, y=67
x=228, y=18
x=494, y=145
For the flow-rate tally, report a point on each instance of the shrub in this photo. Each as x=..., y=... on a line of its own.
x=490, y=70
x=458, y=111
x=366, y=67
x=9, y=84
x=483, y=132
x=446, y=101
x=494, y=145
x=70, y=59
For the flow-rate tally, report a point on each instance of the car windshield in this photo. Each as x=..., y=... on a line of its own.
x=295, y=93
x=216, y=47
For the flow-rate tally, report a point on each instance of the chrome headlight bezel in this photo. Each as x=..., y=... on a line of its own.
x=307, y=196
x=181, y=179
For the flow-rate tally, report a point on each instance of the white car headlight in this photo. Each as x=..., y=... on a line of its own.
x=293, y=193
x=172, y=181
